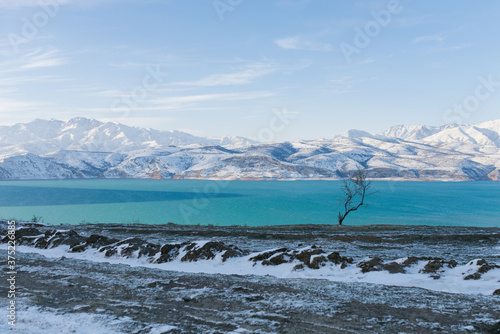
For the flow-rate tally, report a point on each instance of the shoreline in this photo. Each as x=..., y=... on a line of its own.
x=377, y=248
x=291, y=227
x=258, y=179
x=305, y=277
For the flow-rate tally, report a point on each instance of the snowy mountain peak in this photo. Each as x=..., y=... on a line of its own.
x=43, y=137
x=485, y=133
x=355, y=134
x=87, y=148
x=411, y=132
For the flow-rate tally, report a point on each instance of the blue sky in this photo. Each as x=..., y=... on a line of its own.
x=229, y=67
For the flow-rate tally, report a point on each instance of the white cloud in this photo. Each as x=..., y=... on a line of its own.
x=443, y=48
x=131, y=65
x=26, y=3
x=16, y=71
x=38, y=3
x=13, y=81
x=39, y=59
x=209, y=97
x=431, y=38
x=184, y=103
x=366, y=61
x=243, y=77
x=438, y=38
x=12, y=106
x=302, y=43
x=346, y=84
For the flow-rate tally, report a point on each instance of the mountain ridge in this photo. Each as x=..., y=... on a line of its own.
x=88, y=148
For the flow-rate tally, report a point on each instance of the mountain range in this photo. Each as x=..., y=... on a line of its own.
x=86, y=148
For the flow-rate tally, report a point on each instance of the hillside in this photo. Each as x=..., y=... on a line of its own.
x=84, y=148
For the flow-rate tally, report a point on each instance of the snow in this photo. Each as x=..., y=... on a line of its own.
x=83, y=148
x=30, y=319
x=451, y=279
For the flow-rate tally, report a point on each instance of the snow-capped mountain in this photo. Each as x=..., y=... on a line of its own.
x=42, y=137
x=84, y=148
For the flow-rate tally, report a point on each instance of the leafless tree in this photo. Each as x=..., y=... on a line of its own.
x=355, y=189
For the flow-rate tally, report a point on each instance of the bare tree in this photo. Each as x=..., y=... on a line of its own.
x=355, y=189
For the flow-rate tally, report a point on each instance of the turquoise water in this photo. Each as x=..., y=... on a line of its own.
x=252, y=203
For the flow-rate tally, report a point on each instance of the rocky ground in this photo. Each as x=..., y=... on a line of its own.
x=61, y=293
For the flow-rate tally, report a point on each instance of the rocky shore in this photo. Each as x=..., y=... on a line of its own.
x=282, y=279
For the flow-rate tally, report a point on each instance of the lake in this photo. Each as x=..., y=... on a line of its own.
x=252, y=203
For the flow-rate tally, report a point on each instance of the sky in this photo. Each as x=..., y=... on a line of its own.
x=270, y=70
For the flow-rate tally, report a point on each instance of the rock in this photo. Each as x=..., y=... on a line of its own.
x=484, y=268
x=374, y=264
x=233, y=252
x=433, y=266
x=169, y=252
x=48, y=239
x=94, y=241
x=65, y=238
x=312, y=257
x=97, y=241
x=334, y=257
x=128, y=247
x=394, y=268
x=496, y=292
x=209, y=250
x=78, y=248
x=480, y=262
x=299, y=266
x=277, y=260
x=43, y=242
x=414, y=260
x=305, y=257
x=342, y=260
x=267, y=255
x=474, y=276
x=318, y=262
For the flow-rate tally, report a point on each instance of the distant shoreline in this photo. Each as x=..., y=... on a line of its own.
x=289, y=227
x=261, y=179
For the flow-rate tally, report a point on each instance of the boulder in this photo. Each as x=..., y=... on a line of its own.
x=266, y=255
x=48, y=239
x=474, y=276
x=394, y=268
x=169, y=252
x=94, y=241
x=210, y=250
x=318, y=262
x=373, y=264
x=342, y=260
x=128, y=247
x=312, y=257
x=484, y=268
x=435, y=265
x=305, y=257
